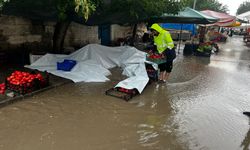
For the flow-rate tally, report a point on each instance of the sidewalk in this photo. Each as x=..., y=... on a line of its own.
x=54, y=81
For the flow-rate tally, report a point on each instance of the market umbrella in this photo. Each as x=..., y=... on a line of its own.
x=224, y=19
x=187, y=16
x=235, y=24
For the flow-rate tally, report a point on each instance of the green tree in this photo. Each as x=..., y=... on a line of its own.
x=214, y=5
x=244, y=7
x=65, y=9
x=135, y=11
x=59, y=10
x=2, y=2
x=141, y=9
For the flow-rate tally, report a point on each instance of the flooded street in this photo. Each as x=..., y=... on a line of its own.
x=199, y=108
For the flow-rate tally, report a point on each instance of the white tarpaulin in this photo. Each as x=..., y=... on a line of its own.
x=93, y=62
x=245, y=16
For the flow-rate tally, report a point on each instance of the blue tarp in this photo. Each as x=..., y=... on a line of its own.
x=177, y=26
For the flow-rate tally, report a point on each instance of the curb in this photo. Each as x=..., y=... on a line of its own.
x=9, y=101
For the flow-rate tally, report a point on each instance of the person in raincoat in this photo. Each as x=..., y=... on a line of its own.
x=164, y=45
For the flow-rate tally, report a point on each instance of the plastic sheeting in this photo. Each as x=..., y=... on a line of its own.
x=244, y=16
x=93, y=62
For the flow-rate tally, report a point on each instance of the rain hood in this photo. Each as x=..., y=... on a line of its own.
x=157, y=28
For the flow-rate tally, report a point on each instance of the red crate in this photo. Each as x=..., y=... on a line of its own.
x=122, y=93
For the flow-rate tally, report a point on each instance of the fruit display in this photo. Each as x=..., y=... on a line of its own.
x=25, y=82
x=23, y=78
x=122, y=93
x=205, y=47
x=129, y=91
x=217, y=37
x=2, y=88
x=156, y=58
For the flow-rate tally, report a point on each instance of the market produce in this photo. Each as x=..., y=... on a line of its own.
x=155, y=56
x=2, y=88
x=25, y=82
x=23, y=78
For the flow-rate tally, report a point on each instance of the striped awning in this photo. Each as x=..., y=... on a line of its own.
x=224, y=19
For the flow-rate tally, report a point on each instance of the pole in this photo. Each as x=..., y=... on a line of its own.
x=194, y=5
x=180, y=40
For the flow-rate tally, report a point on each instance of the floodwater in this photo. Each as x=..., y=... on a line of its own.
x=199, y=108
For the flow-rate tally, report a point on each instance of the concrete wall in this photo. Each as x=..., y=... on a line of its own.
x=17, y=31
x=121, y=32
x=79, y=35
x=118, y=31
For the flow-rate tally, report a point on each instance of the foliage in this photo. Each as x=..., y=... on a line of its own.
x=214, y=5
x=244, y=7
x=2, y=3
x=145, y=8
x=63, y=8
x=84, y=7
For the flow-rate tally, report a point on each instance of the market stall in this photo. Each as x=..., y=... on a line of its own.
x=187, y=16
x=246, y=17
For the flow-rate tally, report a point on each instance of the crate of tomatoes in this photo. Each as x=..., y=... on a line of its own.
x=25, y=82
x=122, y=93
x=2, y=88
x=156, y=58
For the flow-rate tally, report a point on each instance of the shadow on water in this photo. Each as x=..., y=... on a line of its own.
x=246, y=142
x=203, y=60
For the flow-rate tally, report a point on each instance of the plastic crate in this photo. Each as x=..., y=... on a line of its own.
x=66, y=65
x=30, y=86
x=155, y=60
x=152, y=73
x=125, y=94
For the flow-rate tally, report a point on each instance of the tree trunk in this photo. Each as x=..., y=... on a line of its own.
x=134, y=34
x=59, y=36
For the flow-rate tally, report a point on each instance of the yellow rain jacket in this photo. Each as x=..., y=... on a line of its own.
x=163, y=40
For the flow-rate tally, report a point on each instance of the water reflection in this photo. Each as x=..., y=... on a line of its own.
x=203, y=60
x=246, y=142
x=198, y=109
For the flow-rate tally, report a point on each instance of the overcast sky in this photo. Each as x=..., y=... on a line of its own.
x=232, y=5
